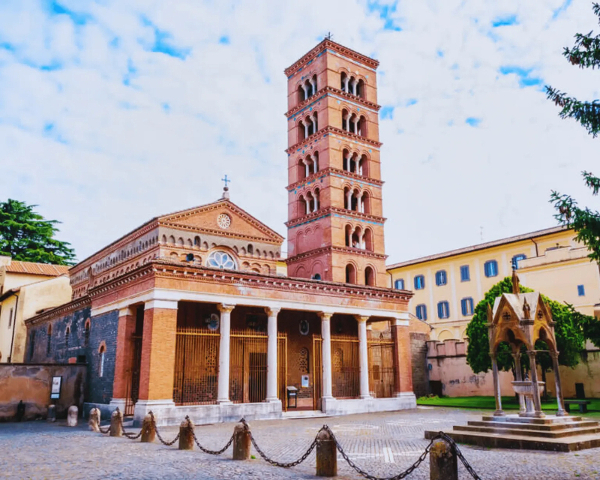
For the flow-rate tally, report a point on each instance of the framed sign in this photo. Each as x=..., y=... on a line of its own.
x=55, y=388
x=304, y=381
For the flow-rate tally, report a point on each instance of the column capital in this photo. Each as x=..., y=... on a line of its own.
x=272, y=311
x=531, y=353
x=362, y=318
x=325, y=315
x=126, y=311
x=166, y=304
x=225, y=308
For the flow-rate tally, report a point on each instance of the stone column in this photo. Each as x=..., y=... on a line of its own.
x=272, y=355
x=537, y=402
x=223, y=385
x=315, y=166
x=517, y=357
x=123, y=358
x=497, y=392
x=157, y=365
x=327, y=390
x=363, y=356
x=306, y=135
x=346, y=81
x=349, y=199
x=313, y=83
x=315, y=122
x=305, y=88
x=307, y=168
x=559, y=394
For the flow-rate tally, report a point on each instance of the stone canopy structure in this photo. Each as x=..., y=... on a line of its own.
x=191, y=314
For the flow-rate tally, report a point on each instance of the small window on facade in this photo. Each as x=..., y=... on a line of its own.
x=399, y=284
x=67, y=335
x=516, y=259
x=443, y=310
x=581, y=290
x=440, y=278
x=49, y=341
x=87, y=333
x=316, y=276
x=101, y=362
x=419, y=282
x=421, y=312
x=32, y=345
x=465, y=274
x=10, y=314
x=490, y=268
x=466, y=305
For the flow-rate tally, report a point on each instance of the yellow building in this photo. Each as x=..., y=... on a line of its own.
x=26, y=289
x=447, y=286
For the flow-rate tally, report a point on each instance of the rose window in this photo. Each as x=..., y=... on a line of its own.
x=224, y=220
x=221, y=260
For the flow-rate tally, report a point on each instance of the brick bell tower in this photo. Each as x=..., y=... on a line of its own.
x=335, y=226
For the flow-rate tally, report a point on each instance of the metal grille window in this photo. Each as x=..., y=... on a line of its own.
x=381, y=367
x=490, y=268
x=441, y=278
x=443, y=310
x=345, y=368
x=419, y=282
x=465, y=274
x=421, y=312
x=466, y=305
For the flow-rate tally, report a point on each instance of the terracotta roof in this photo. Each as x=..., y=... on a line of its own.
x=481, y=246
x=32, y=268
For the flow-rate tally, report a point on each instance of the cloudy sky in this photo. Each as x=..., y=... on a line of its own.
x=115, y=111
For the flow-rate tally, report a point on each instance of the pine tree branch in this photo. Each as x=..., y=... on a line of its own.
x=586, y=113
x=586, y=52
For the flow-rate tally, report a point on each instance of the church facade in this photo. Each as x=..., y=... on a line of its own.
x=188, y=314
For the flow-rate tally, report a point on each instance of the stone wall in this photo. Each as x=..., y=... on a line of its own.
x=420, y=375
x=449, y=366
x=31, y=383
x=79, y=347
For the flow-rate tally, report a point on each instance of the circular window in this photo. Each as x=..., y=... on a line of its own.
x=221, y=260
x=224, y=220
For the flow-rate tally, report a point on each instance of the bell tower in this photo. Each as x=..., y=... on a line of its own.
x=335, y=222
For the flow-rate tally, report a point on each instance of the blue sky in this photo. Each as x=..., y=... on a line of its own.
x=112, y=112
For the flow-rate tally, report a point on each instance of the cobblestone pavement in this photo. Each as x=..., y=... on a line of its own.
x=383, y=444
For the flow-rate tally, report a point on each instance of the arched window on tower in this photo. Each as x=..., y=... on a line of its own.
x=301, y=131
x=350, y=274
x=360, y=89
x=365, y=203
x=361, y=126
x=302, y=206
x=344, y=82
x=369, y=276
x=313, y=82
x=345, y=118
x=368, y=240
x=102, y=354
x=363, y=166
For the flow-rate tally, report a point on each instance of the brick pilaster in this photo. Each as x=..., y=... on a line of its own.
x=158, y=353
x=124, y=354
x=402, y=359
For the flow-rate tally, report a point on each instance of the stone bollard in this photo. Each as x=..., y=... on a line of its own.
x=51, y=413
x=72, y=415
x=116, y=424
x=148, y=429
x=94, y=421
x=326, y=455
x=241, y=442
x=186, y=435
x=443, y=463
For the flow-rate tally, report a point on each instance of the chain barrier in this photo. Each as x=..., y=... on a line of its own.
x=313, y=445
x=168, y=444
x=130, y=435
x=104, y=431
x=414, y=466
x=274, y=462
x=206, y=450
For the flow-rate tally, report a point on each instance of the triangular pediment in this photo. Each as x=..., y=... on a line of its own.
x=222, y=218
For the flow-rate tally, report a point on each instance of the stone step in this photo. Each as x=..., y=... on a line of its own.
x=548, y=420
x=528, y=432
x=568, y=444
x=533, y=426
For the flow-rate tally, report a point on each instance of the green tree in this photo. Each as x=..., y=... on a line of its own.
x=585, y=54
x=25, y=235
x=569, y=331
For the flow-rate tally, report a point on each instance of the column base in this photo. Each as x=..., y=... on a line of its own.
x=365, y=397
x=273, y=400
x=160, y=408
x=562, y=413
x=499, y=413
x=224, y=402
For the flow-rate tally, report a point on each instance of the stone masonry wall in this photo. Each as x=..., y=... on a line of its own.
x=76, y=347
x=418, y=348
x=31, y=383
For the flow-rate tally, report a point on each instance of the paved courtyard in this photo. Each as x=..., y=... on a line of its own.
x=383, y=444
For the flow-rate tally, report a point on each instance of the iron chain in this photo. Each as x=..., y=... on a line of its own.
x=130, y=435
x=273, y=462
x=206, y=450
x=168, y=444
x=414, y=466
x=104, y=431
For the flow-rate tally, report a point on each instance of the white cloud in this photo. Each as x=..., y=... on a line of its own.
x=112, y=133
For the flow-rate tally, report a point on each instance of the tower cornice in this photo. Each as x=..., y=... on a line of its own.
x=329, y=171
x=325, y=91
x=336, y=47
x=329, y=130
x=338, y=212
x=331, y=248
